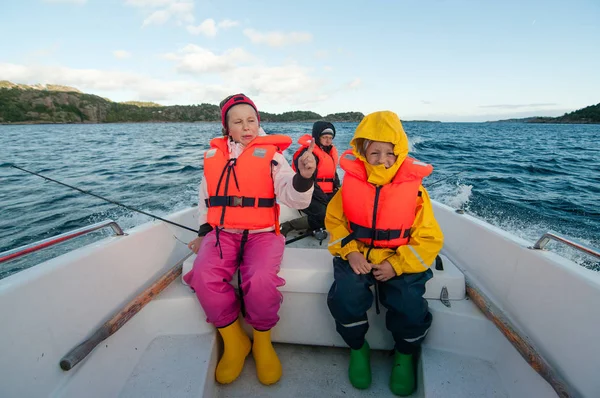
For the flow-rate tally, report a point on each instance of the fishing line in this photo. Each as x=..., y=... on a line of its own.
x=122, y=205
x=443, y=179
x=103, y=198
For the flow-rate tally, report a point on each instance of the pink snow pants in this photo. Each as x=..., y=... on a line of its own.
x=260, y=264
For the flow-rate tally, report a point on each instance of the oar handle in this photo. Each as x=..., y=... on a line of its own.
x=78, y=353
x=82, y=350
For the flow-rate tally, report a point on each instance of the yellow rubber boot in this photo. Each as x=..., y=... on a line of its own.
x=237, y=347
x=268, y=367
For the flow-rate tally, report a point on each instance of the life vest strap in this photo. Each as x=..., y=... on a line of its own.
x=238, y=201
x=325, y=180
x=360, y=232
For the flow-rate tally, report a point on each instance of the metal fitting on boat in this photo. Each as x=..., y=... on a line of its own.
x=320, y=235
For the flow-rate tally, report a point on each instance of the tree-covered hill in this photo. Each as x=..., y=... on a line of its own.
x=589, y=114
x=60, y=104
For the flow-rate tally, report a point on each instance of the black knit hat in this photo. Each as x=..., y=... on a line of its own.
x=321, y=127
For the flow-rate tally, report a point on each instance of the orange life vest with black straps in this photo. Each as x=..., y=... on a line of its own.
x=241, y=192
x=381, y=216
x=326, y=167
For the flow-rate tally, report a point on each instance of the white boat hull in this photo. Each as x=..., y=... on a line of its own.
x=49, y=308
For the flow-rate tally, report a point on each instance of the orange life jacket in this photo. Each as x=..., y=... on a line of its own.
x=326, y=167
x=241, y=192
x=381, y=216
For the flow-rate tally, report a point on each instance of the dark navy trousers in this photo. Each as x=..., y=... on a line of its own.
x=407, y=317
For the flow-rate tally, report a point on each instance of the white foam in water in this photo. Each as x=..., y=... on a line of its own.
x=458, y=195
x=462, y=196
x=133, y=219
x=412, y=141
x=455, y=195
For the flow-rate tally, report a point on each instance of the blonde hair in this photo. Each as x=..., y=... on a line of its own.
x=364, y=147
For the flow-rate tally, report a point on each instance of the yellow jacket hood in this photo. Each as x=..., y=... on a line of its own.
x=384, y=126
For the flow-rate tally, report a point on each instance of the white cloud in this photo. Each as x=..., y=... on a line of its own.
x=148, y=3
x=328, y=68
x=355, y=83
x=281, y=82
x=157, y=18
x=194, y=59
x=205, y=77
x=140, y=87
x=277, y=39
x=121, y=54
x=181, y=7
x=208, y=27
x=321, y=54
x=239, y=70
x=66, y=1
x=158, y=12
x=228, y=23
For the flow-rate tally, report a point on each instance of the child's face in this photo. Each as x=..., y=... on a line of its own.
x=381, y=153
x=242, y=123
x=326, y=140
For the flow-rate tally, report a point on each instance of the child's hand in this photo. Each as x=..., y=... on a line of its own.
x=195, y=244
x=307, y=163
x=384, y=271
x=358, y=263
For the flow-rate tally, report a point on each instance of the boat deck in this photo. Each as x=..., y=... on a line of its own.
x=175, y=366
x=171, y=365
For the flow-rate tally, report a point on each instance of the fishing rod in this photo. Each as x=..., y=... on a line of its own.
x=125, y=206
x=103, y=198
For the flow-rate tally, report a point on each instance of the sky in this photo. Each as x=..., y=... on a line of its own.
x=447, y=60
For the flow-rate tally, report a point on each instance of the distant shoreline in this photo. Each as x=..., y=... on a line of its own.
x=53, y=104
x=28, y=123
x=25, y=123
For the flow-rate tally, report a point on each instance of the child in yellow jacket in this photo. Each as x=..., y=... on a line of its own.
x=383, y=233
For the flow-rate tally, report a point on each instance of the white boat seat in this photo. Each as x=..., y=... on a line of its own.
x=311, y=271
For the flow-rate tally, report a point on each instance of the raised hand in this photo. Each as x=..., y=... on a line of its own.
x=307, y=163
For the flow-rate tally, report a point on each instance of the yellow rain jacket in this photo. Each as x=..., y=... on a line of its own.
x=426, y=237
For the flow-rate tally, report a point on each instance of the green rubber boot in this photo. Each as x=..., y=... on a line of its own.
x=402, y=379
x=359, y=370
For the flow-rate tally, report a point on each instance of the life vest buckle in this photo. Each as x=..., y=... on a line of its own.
x=383, y=234
x=236, y=201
